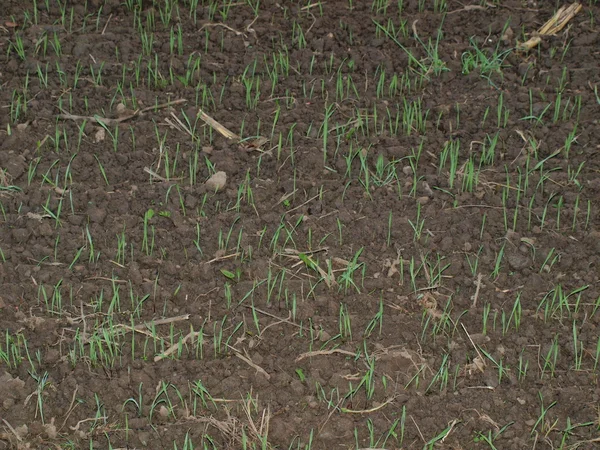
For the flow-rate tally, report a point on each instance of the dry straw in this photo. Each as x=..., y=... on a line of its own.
x=553, y=26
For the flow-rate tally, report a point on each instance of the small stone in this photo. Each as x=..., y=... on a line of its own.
x=21, y=431
x=216, y=182
x=137, y=423
x=297, y=387
x=312, y=402
x=99, y=135
x=324, y=336
x=524, y=68
x=427, y=189
x=144, y=437
x=517, y=261
x=508, y=35
x=96, y=215
x=50, y=430
x=20, y=234
x=479, y=338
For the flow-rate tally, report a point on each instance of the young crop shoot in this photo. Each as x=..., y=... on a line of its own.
x=399, y=170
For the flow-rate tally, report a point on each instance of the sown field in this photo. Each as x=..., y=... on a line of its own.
x=336, y=224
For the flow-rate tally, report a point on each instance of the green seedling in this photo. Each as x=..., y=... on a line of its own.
x=147, y=239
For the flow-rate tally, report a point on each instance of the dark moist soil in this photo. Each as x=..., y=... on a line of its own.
x=75, y=373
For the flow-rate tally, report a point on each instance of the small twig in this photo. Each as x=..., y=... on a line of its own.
x=112, y=280
x=306, y=202
x=275, y=323
x=141, y=328
x=71, y=408
x=118, y=120
x=174, y=347
x=217, y=126
x=324, y=352
x=221, y=258
x=158, y=177
x=76, y=427
x=251, y=30
x=163, y=105
x=284, y=197
x=333, y=410
x=162, y=321
x=418, y=429
x=428, y=288
x=12, y=430
x=84, y=334
x=468, y=8
x=181, y=124
x=370, y=410
x=174, y=125
x=424, y=269
x=250, y=362
x=292, y=152
x=274, y=316
x=309, y=262
x=312, y=24
x=312, y=5
x=451, y=426
x=263, y=429
x=414, y=28
x=472, y=343
x=237, y=33
x=97, y=119
x=105, y=26
x=43, y=141
x=477, y=206
x=116, y=264
x=476, y=295
x=292, y=252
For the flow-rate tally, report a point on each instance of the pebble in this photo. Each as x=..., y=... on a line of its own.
x=216, y=182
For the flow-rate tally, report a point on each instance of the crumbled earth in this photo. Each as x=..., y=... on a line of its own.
x=396, y=246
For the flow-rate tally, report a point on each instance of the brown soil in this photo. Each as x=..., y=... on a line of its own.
x=313, y=301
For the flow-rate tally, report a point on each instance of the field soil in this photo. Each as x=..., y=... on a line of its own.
x=397, y=248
